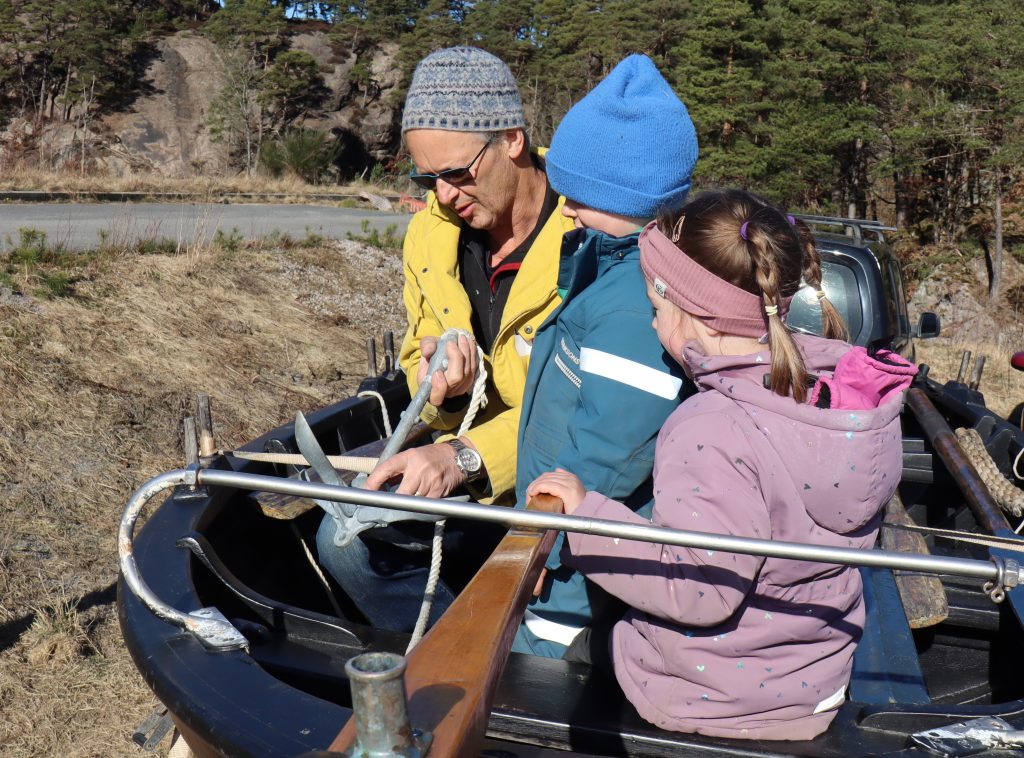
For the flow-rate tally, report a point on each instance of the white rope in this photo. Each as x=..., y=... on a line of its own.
x=319, y=573
x=973, y=538
x=477, y=401
x=383, y=408
x=428, y=593
x=1016, y=460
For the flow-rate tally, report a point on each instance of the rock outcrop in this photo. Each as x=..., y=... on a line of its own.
x=165, y=130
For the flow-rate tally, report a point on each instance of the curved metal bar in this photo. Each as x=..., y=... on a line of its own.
x=261, y=605
x=206, y=624
x=1007, y=574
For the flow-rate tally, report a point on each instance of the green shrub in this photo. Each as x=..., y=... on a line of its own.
x=312, y=239
x=56, y=284
x=162, y=246
x=230, y=242
x=306, y=153
x=31, y=248
x=369, y=235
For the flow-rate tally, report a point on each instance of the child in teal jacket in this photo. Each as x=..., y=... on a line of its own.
x=600, y=385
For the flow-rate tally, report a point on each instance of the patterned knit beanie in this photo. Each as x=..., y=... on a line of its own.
x=462, y=89
x=628, y=147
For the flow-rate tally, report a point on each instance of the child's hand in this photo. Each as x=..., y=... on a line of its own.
x=561, y=484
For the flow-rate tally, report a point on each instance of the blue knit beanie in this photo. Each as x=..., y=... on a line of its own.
x=462, y=89
x=628, y=147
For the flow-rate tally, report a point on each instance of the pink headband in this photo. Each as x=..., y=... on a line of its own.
x=682, y=281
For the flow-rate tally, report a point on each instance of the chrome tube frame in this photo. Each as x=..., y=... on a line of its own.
x=216, y=633
x=1004, y=574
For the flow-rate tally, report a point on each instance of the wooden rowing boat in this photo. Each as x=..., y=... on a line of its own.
x=288, y=694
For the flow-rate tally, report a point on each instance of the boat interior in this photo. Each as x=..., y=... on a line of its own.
x=222, y=549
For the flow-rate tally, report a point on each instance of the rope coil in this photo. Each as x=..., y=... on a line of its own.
x=1008, y=496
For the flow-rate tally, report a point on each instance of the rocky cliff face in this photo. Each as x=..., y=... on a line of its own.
x=165, y=129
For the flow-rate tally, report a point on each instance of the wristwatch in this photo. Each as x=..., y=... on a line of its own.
x=468, y=460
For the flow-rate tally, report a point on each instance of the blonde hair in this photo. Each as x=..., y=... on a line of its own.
x=746, y=241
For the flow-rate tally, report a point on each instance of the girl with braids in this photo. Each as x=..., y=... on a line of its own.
x=791, y=437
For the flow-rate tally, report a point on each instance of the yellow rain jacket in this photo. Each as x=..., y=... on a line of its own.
x=435, y=301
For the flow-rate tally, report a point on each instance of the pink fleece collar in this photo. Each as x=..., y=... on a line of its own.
x=680, y=280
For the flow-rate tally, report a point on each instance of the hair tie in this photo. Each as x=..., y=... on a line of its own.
x=743, y=231
x=771, y=310
x=820, y=293
x=677, y=230
x=790, y=219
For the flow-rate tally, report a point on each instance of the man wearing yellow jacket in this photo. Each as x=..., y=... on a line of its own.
x=482, y=256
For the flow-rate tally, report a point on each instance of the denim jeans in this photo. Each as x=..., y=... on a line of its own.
x=385, y=581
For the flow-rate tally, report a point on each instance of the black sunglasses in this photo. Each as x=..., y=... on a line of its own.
x=450, y=175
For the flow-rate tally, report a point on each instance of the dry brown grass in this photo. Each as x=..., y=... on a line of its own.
x=92, y=391
x=1002, y=385
x=22, y=178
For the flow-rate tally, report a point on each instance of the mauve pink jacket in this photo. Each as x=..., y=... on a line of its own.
x=736, y=645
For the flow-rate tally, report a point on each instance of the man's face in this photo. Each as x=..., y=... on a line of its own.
x=484, y=198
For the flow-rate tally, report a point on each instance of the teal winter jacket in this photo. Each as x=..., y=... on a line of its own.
x=599, y=388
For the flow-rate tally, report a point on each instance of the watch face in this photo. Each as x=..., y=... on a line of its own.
x=469, y=461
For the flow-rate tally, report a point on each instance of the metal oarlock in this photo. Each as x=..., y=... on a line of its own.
x=379, y=709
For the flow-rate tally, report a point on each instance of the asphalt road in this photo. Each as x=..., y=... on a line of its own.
x=79, y=226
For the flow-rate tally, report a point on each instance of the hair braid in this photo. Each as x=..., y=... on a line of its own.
x=788, y=373
x=832, y=324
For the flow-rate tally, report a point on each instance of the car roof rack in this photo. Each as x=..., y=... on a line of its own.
x=852, y=227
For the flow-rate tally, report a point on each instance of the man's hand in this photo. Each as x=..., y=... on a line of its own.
x=428, y=471
x=560, y=483
x=458, y=378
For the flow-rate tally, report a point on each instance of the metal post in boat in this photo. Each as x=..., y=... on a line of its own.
x=371, y=356
x=965, y=361
x=191, y=444
x=389, y=352
x=979, y=366
x=379, y=708
x=204, y=418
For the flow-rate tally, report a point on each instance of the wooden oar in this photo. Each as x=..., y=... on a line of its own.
x=453, y=673
x=924, y=598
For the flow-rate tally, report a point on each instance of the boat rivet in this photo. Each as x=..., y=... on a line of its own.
x=424, y=269
x=445, y=310
x=528, y=330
